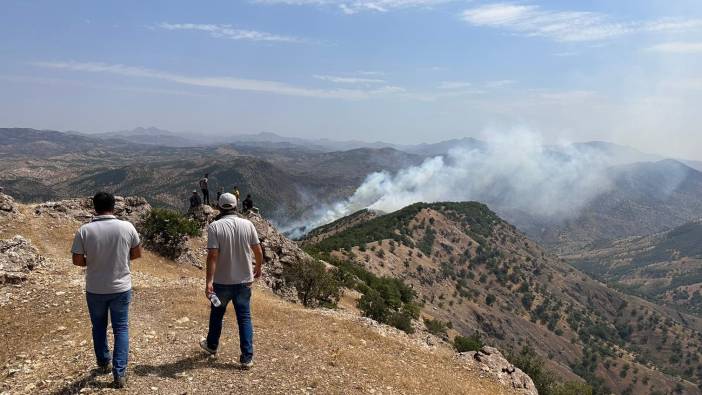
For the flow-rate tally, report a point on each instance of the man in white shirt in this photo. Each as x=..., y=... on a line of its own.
x=233, y=245
x=105, y=246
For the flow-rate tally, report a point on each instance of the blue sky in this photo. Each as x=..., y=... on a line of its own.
x=394, y=70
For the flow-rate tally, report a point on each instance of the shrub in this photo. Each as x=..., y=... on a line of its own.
x=373, y=305
x=571, y=388
x=436, y=327
x=469, y=343
x=533, y=365
x=427, y=242
x=165, y=232
x=385, y=299
x=490, y=299
x=314, y=284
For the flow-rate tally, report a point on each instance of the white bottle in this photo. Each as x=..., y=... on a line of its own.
x=215, y=300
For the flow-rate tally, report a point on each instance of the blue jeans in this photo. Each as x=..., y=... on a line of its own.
x=240, y=296
x=118, y=307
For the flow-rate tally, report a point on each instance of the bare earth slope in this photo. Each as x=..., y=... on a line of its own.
x=47, y=347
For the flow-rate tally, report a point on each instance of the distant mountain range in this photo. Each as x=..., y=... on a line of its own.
x=618, y=154
x=291, y=178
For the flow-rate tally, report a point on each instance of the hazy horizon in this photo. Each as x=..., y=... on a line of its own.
x=624, y=72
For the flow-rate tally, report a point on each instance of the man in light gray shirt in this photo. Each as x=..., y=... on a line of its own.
x=232, y=244
x=105, y=247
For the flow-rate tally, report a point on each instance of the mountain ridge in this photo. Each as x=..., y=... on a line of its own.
x=475, y=270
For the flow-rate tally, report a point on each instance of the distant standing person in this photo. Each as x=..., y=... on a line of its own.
x=232, y=244
x=205, y=189
x=105, y=247
x=235, y=192
x=195, y=200
x=219, y=193
x=247, y=204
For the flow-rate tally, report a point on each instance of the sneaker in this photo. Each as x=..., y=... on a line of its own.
x=204, y=346
x=121, y=381
x=246, y=365
x=105, y=368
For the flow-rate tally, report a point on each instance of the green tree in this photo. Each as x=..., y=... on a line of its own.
x=315, y=285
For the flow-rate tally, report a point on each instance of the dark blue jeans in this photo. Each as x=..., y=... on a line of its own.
x=118, y=307
x=240, y=296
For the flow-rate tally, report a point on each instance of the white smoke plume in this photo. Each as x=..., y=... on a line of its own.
x=512, y=172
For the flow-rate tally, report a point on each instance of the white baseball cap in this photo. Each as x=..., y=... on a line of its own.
x=227, y=201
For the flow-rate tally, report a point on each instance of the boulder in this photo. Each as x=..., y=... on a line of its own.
x=7, y=205
x=278, y=251
x=17, y=258
x=203, y=214
x=491, y=361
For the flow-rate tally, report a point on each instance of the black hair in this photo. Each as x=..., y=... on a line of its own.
x=248, y=196
x=104, y=202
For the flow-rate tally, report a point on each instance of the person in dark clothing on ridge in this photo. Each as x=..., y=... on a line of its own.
x=205, y=189
x=195, y=200
x=219, y=193
x=247, y=204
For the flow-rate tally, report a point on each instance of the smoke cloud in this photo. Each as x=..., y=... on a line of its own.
x=511, y=172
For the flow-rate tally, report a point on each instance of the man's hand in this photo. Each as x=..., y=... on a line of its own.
x=212, y=255
x=258, y=254
x=135, y=253
x=79, y=260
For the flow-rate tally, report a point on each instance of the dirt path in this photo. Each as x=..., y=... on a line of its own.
x=47, y=346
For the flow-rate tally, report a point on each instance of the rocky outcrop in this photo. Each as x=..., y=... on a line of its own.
x=491, y=361
x=278, y=251
x=7, y=205
x=203, y=214
x=130, y=208
x=18, y=257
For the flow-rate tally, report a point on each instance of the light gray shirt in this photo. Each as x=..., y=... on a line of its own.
x=233, y=237
x=106, y=242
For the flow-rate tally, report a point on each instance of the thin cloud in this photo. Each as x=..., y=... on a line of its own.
x=230, y=83
x=454, y=85
x=60, y=81
x=566, y=26
x=678, y=47
x=566, y=54
x=351, y=7
x=348, y=80
x=499, y=83
x=229, y=32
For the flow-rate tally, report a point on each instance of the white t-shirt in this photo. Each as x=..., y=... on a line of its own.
x=106, y=242
x=233, y=236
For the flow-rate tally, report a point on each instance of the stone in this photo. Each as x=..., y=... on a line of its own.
x=7, y=205
x=18, y=257
x=491, y=361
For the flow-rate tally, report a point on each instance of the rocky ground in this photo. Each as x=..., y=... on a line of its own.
x=47, y=346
